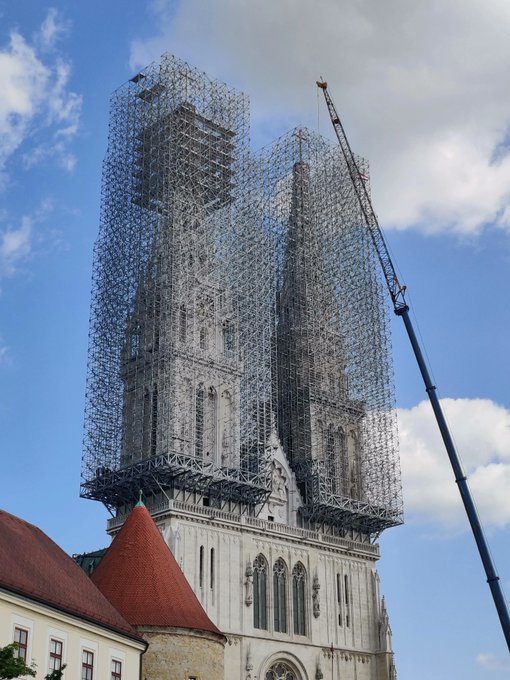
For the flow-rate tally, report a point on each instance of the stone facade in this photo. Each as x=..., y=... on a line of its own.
x=182, y=654
x=341, y=630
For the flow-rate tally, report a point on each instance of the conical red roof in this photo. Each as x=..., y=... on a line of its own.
x=140, y=577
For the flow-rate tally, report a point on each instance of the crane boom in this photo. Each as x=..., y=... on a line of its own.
x=401, y=308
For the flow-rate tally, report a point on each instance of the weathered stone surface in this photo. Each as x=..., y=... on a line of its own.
x=181, y=654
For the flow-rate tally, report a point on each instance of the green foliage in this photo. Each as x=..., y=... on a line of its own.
x=12, y=666
x=55, y=675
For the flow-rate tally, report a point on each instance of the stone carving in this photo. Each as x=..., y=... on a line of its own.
x=278, y=483
x=316, y=597
x=249, y=665
x=318, y=670
x=248, y=584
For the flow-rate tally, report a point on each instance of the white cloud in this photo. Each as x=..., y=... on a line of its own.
x=419, y=85
x=15, y=246
x=17, y=242
x=492, y=663
x=36, y=101
x=4, y=353
x=52, y=28
x=481, y=429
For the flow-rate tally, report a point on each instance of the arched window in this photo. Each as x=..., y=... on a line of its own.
x=203, y=338
x=298, y=597
x=344, y=461
x=320, y=440
x=210, y=426
x=201, y=567
x=183, y=323
x=260, y=592
x=331, y=459
x=154, y=420
x=226, y=435
x=353, y=457
x=281, y=671
x=228, y=338
x=280, y=596
x=199, y=421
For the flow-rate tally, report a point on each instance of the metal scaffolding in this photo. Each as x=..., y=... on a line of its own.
x=235, y=296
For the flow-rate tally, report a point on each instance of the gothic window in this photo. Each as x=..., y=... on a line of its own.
x=199, y=421
x=347, y=600
x=228, y=338
x=226, y=437
x=203, y=338
x=339, y=597
x=201, y=567
x=146, y=423
x=298, y=597
x=154, y=420
x=281, y=671
x=211, y=422
x=344, y=460
x=280, y=596
x=331, y=458
x=260, y=593
x=183, y=322
x=354, y=480
x=320, y=440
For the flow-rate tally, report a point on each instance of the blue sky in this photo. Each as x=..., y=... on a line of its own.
x=422, y=91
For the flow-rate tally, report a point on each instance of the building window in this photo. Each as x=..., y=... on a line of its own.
x=203, y=338
x=228, y=338
x=201, y=567
x=87, y=665
x=116, y=670
x=281, y=671
x=298, y=596
x=183, y=323
x=280, y=596
x=21, y=640
x=154, y=420
x=211, y=575
x=339, y=597
x=55, y=655
x=199, y=421
x=347, y=600
x=260, y=593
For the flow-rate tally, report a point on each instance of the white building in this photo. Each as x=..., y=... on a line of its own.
x=56, y=615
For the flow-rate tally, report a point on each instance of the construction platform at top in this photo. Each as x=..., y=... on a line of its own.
x=236, y=296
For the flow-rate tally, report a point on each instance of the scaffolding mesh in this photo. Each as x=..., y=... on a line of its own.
x=235, y=296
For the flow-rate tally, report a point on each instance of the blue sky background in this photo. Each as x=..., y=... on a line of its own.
x=423, y=91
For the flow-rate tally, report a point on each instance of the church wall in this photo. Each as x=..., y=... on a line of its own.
x=354, y=636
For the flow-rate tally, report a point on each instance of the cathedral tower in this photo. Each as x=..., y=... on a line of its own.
x=239, y=375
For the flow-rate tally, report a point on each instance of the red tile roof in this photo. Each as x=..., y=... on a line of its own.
x=32, y=565
x=140, y=576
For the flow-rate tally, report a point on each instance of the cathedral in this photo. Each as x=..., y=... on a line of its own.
x=240, y=377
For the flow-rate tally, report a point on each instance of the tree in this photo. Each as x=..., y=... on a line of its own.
x=12, y=666
x=55, y=675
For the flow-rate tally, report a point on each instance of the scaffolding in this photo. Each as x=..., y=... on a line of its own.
x=236, y=296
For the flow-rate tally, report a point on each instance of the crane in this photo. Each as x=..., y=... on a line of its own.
x=401, y=309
